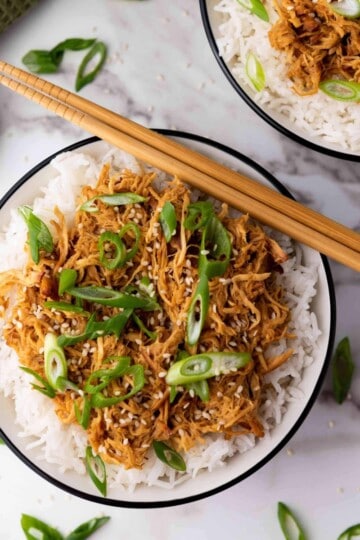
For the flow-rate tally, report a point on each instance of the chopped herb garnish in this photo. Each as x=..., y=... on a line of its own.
x=167, y=218
x=169, y=456
x=84, y=76
x=95, y=468
x=289, y=524
x=39, y=235
x=46, y=388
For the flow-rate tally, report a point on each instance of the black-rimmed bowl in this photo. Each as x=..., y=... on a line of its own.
x=327, y=143
x=240, y=466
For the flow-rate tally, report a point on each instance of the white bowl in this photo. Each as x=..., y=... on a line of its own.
x=239, y=466
x=212, y=21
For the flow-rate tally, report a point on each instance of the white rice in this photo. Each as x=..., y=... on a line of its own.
x=327, y=120
x=64, y=445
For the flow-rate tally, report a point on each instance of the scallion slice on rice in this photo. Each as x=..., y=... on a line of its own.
x=95, y=468
x=169, y=456
x=256, y=7
x=255, y=72
x=341, y=90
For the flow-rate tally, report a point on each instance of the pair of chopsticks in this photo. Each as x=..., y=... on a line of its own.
x=261, y=202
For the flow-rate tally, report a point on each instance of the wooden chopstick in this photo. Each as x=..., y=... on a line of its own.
x=261, y=202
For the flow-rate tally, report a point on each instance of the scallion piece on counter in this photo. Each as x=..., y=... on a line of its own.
x=204, y=366
x=138, y=380
x=169, y=456
x=42, y=61
x=350, y=9
x=341, y=90
x=351, y=533
x=256, y=7
x=83, y=416
x=67, y=280
x=2, y=441
x=342, y=370
x=255, y=72
x=115, y=199
x=84, y=76
x=55, y=362
x=46, y=388
x=95, y=468
x=84, y=530
x=167, y=218
x=36, y=529
x=197, y=311
x=289, y=524
x=215, y=249
x=198, y=215
x=39, y=235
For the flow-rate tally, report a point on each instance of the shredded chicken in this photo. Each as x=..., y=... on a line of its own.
x=319, y=43
x=246, y=313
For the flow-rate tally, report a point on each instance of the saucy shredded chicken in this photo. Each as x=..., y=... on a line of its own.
x=246, y=313
x=319, y=43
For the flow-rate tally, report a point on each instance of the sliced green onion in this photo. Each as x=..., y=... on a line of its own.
x=115, y=199
x=173, y=393
x=114, y=325
x=289, y=524
x=255, y=71
x=64, y=384
x=39, y=235
x=256, y=7
x=167, y=220
x=65, y=306
x=46, y=389
x=169, y=456
x=341, y=90
x=2, y=441
x=205, y=365
x=350, y=9
x=142, y=327
x=41, y=61
x=215, y=249
x=137, y=372
x=83, y=77
x=201, y=389
x=198, y=215
x=111, y=297
x=343, y=369
x=350, y=533
x=135, y=229
x=83, y=417
x=55, y=362
x=84, y=530
x=104, y=376
x=117, y=247
x=95, y=468
x=197, y=313
x=35, y=529
x=67, y=280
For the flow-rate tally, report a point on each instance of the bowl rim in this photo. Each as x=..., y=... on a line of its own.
x=258, y=110
x=332, y=329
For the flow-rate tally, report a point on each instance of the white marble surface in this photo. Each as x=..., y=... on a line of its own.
x=161, y=73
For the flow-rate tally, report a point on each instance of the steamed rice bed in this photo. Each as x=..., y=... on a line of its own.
x=65, y=445
x=317, y=116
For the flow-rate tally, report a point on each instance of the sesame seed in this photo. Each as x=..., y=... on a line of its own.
x=125, y=442
x=162, y=374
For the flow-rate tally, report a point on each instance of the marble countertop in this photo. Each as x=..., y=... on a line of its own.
x=161, y=73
